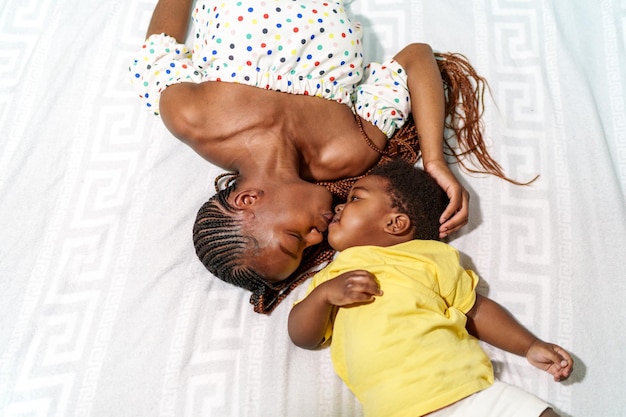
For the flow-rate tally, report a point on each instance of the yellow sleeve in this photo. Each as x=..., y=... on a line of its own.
x=458, y=285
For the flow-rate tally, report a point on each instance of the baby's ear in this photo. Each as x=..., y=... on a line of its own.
x=398, y=224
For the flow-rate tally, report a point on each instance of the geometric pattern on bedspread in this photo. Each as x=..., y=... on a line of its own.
x=104, y=309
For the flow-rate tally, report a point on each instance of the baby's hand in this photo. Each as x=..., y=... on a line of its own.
x=352, y=287
x=551, y=358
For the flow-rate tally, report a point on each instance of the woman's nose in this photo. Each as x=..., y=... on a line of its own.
x=313, y=237
x=339, y=208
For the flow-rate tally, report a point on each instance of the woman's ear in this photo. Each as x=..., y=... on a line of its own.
x=246, y=198
x=398, y=224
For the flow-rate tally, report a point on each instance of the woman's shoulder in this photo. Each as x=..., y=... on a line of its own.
x=334, y=147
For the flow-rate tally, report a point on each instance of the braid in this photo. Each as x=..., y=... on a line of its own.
x=464, y=90
x=221, y=245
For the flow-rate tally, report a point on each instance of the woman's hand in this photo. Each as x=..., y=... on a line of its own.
x=456, y=214
x=428, y=110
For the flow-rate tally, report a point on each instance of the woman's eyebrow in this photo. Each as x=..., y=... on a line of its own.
x=287, y=251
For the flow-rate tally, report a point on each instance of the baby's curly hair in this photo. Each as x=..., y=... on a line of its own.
x=416, y=194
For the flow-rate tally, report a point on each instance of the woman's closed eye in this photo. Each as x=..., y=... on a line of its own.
x=296, y=236
x=292, y=245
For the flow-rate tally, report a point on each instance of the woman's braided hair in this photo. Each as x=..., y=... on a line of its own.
x=221, y=245
x=465, y=93
x=219, y=237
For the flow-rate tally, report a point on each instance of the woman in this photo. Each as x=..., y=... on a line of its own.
x=278, y=94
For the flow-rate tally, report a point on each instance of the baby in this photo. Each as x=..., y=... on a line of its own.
x=398, y=304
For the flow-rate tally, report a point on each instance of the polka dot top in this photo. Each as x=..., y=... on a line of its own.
x=307, y=47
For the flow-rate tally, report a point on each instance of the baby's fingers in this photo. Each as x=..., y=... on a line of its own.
x=565, y=362
x=354, y=287
x=552, y=359
x=365, y=286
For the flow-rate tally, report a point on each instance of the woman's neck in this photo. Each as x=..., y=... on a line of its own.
x=268, y=154
x=268, y=131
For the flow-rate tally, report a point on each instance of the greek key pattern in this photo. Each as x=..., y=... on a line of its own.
x=108, y=312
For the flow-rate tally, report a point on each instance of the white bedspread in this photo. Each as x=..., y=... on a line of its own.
x=105, y=310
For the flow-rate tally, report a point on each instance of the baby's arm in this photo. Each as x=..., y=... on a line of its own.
x=428, y=109
x=309, y=318
x=491, y=323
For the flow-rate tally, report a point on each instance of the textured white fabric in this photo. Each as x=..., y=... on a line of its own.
x=498, y=400
x=104, y=309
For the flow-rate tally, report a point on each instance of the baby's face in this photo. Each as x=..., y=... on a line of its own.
x=361, y=219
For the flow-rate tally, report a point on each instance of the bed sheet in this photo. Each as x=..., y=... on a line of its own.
x=104, y=309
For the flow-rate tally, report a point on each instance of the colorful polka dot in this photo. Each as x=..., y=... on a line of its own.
x=288, y=46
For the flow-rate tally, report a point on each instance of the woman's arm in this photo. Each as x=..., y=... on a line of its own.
x=309, y=318
x=428, y=110
x=183, y=106
x=172, y=18
x=491, y=323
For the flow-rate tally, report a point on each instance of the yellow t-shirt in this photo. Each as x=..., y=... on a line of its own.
x=408, y=353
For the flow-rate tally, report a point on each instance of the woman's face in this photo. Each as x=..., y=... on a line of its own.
x=286, y=222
